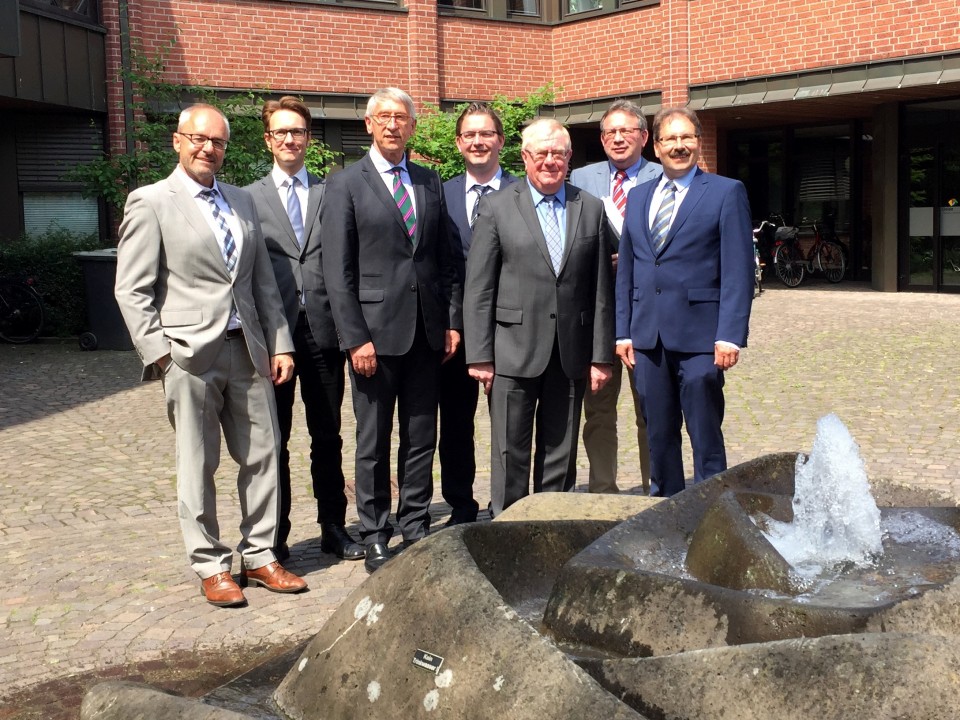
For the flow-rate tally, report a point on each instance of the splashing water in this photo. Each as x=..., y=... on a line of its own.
x=835, y=518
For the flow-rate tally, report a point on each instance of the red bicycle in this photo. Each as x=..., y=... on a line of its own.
x=790, y=262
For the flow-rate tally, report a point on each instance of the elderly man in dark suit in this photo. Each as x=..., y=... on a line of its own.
x=538, y=305
x=199, y=297
x=288, y=202
x=684, y=290
x=395, y=298
x=623, y=133
x=479, y=140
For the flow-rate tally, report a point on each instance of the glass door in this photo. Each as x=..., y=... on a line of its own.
x=930, y=257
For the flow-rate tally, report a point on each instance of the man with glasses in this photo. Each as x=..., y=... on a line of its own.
x=395, y=296
x=199, y=297
x=538, y=303
x=479, y=140
x=288, y=202
x=623, y=134
x=684, y=291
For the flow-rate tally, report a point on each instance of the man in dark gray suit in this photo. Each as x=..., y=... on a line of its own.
x=288, y=202
x=538, y=304
x=200, y=300
x=395, y=298
x=623, y=133
x=479, y=140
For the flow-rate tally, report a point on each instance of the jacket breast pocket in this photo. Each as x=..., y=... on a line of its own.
x=370, y=295
x=695, y=295
x=180, y=318
x=509, y=316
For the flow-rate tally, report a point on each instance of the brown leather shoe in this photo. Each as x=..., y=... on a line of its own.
x=273, y=577
x=222, y=591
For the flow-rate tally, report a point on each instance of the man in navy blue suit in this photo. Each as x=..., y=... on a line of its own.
x=684, y=290
x=479, y=140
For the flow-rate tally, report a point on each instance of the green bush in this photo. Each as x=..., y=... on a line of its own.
x=48, y=258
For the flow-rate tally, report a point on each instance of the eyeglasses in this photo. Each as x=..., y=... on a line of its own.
x=384, y=118
x=281, y=134
x=201, y=140
x=679, y=140
x=541, y=155
x=625, y=132
x=471, y=135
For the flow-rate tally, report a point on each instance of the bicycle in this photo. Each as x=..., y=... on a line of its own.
x=791, y=263
x=21, y=310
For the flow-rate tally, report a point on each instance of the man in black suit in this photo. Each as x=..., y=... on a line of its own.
x=538, y=307
x=479, y=140
x=396, y=301
x=288, y=202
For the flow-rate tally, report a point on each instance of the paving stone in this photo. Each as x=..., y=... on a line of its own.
x=96, y=577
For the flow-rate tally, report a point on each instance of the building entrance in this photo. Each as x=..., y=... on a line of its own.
x=930, y=227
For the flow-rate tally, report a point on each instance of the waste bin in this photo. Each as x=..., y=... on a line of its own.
x=107, y=330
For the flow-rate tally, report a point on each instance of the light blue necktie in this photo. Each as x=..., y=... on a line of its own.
x=293, y=209
x=661, y=223
x=546, y=209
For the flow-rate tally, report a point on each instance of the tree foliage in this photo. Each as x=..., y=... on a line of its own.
x=156, y=106
x=435, y=138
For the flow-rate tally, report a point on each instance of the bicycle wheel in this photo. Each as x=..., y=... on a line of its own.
x=21, y=314
x=788, y=266
x=831, y=261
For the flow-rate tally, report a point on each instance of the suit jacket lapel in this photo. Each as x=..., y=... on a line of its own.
x=314, y=199
x=458, y=208
x=573, y=207
x=274, y=204
x=693, y=196
x=529, y=214
x=373, y=179
x=187, y=206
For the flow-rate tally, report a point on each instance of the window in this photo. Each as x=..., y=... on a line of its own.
x=578, y=6
x=462, y=4
x=72, y=8
x=523, y=7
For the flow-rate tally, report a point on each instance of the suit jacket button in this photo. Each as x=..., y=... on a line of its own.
x=303, y=260
x=553, y=316
x=658, y=291
x=413, y=288
x=657, y=264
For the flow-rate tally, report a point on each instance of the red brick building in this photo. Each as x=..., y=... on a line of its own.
x=842, y=111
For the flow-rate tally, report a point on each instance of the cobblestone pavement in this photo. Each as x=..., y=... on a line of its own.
x=96, y=583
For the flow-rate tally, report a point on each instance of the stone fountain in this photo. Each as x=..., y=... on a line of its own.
x=702, y=606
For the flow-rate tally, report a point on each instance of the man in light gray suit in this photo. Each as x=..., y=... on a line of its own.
x=623, y=133
x=288, y=202
x=199, y=298
x=537, y=316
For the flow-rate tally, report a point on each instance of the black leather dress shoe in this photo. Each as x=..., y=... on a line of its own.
x=335, y=539
x=458, y=521
x=377, y=556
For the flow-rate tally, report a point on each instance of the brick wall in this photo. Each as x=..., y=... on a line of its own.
x=293, y=47
x=731, y=40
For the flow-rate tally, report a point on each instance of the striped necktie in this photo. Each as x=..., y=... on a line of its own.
x=661, y=223
x=619, y=196
x=228, y=248
x=546, y=209
x=480, y=190
x=404, y=203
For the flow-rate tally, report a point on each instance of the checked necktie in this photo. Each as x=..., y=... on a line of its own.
x=546, y=209
x=480, y=191
x=661, y=223
x=293, y=208
x=228, y=248
x=402, y=198
x=619, y=196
